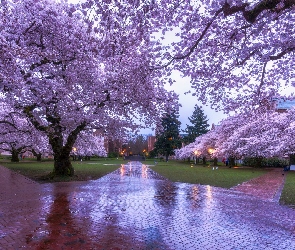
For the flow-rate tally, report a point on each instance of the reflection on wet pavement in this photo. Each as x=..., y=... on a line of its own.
x=135, y=208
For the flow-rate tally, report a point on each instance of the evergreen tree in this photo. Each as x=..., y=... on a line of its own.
x=199, y=125
x=168, y=136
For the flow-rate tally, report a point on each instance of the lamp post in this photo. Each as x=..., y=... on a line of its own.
x=196, y=152
x=211, y=151
x=74, y=154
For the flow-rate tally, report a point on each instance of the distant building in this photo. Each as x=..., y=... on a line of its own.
x=183, y=135
x=111, y=145
x=283, y=105
x=151, y=143
x=114, y=145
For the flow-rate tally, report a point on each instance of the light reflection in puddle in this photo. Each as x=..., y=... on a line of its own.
x=122, y=169
x=144, y=173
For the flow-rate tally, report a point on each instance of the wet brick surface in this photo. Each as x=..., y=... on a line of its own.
x=266, y=187
x=135, y=208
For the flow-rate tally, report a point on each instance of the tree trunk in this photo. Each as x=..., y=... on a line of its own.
x=258, y=162
x=14, y=156
x=215, y=161
x=231, y=162
x=204, y=160
x=63, y=165
x=38, y=156
x=167, y=156
x=292, y=159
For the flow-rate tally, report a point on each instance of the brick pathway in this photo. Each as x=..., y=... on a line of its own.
x=135, y=208
x=266, y=187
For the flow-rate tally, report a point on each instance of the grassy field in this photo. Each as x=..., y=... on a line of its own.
x=288, y=193
x=85, y=170
x=180, y=171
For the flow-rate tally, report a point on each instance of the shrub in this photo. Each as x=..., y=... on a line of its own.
x=273, y=162
x=113, y=155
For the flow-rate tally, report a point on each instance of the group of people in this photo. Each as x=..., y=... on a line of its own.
x=225, y=161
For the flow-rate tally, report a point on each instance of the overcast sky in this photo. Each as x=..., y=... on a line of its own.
x=188, y=102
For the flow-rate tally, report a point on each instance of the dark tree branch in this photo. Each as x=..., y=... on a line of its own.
x=27, y=29
x=281, y=54
x=247, y=57
x=47, y=61
x=195, y=45
x=252, y=14
x=249, y=15
x=204, y=32
x=73, y=137
x=28, y=112
x=261, y=80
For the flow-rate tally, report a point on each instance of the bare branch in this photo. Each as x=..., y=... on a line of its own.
x=281, y=54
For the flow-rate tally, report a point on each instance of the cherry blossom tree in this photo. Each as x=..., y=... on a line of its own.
x=203, y=147
x=100, y=64
x=88, y=144
x=264, y=135
x=67, y=78
x=18, y=136
x=238, y=53
x=14, y=133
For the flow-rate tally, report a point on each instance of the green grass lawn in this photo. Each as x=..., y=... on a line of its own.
x=288, y=193
x=85, y=170
x=180, y=171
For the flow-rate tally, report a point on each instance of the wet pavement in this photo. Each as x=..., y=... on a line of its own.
x=135, y=208
x=266, y=187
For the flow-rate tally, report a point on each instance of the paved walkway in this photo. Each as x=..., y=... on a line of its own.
x=135, y=208
x=265, y=187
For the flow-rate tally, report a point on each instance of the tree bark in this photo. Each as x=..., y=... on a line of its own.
x=14, y=156
x=37, y=155
x=63, y=165
x=231, y=162
x=292, y=159
x=204, y=160
x=215, y=161
x=258, y=162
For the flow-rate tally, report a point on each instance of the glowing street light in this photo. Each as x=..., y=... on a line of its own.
x=196, y=152
x=211, y=150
